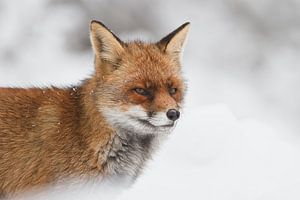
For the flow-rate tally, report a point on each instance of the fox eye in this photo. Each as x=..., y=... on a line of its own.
x=141, y=91
x=172, y=91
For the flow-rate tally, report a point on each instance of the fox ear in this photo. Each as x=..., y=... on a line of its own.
x=173, y=43
x=106, y=45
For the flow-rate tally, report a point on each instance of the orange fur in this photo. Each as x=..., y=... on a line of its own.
x=50, y=134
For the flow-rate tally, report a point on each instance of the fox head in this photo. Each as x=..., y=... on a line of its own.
x=139, y=85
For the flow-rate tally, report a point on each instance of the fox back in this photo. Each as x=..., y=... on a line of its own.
x=108, y=126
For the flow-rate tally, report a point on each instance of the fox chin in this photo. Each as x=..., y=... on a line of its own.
x=108, y=126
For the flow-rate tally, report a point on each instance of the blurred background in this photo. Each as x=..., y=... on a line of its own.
x=239, y=136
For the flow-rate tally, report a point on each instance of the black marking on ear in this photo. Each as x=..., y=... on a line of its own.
x=165, y=41
x=118, y=39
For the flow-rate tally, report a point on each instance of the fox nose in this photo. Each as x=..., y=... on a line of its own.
x=173, y=114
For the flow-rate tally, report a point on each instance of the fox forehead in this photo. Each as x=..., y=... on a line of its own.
x=147, y=65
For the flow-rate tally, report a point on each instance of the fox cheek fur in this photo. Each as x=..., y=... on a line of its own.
x=108, y=126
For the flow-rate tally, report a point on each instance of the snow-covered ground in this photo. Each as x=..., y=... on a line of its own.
x=239, y=135
x=212, y=155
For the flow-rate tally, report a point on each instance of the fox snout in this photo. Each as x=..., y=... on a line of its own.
x=173, y=114
x=138, y=119
x=164, y=118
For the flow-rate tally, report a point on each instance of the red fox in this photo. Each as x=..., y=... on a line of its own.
x=107, y=126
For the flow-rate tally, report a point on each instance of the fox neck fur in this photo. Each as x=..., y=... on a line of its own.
x=125, y=151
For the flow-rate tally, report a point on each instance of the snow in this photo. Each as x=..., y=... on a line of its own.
x=239, y=135
x=212, y=155
x=221, y=158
